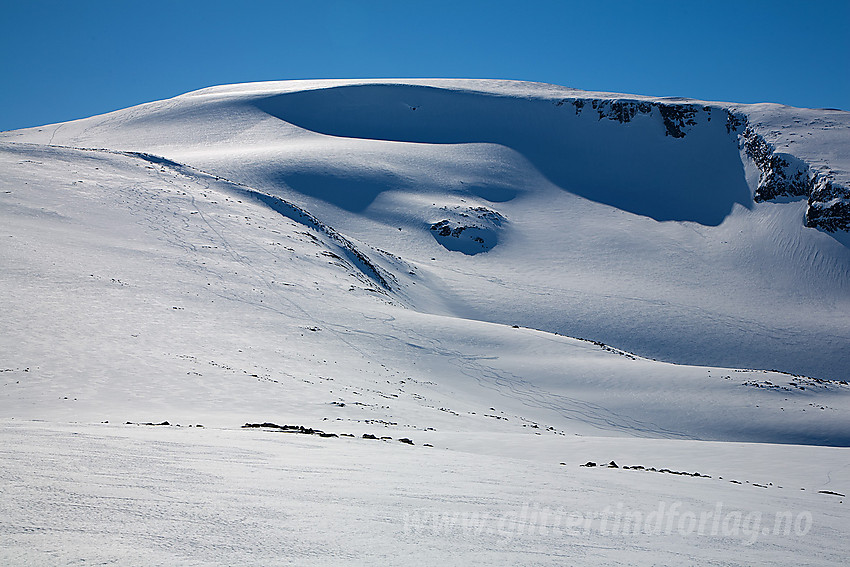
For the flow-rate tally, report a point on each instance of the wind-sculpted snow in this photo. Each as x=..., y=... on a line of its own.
x=286, y=209
x=645, y=168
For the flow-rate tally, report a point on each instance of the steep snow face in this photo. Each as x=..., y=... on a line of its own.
x=626, y=154
x=676, y=229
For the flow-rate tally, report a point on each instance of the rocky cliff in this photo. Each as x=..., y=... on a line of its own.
x=781, y=175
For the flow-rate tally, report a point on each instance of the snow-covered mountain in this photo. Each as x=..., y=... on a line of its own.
x=510, y=272
x=690, y=232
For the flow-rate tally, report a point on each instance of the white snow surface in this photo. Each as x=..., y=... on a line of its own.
x=414, y=259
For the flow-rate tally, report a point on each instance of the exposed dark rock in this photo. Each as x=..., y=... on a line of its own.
x=829, y=206
x=589, y=464
x=369, y=436
x=621, y=110
x=579, y=104
x=471, y=230
x=735, y=122
x=289, y=429
x=443, y=228
x=784, y=175
x=406, y=440
x=677, y=117
x=266, y=424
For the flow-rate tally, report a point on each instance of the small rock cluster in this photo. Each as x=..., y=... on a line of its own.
x=300, y=429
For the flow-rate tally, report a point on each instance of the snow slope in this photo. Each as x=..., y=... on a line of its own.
x=635, y=237
x=412, y=259
x=129, y=495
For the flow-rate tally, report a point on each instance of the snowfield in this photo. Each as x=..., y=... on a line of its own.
x=517, y=279
x=133, y=495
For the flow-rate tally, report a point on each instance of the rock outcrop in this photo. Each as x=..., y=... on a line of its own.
x=470, y=230
x=784, y=175
x=677, y=118
x=781, y=175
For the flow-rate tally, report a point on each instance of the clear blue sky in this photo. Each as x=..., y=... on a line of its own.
x=62, y=60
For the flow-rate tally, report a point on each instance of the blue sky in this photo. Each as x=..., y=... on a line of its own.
x=62, y=60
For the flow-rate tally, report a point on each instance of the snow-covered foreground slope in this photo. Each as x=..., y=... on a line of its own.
x=131, y=495
x=413, y=261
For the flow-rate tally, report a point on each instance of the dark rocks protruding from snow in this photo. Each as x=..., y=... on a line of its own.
x=406, y=440
x=735, y=122
x=620, y=110
x=677, y=118
x=829, y=206
x=266, y=424
x=784, y=175
x=613, y=465
x=470, y=230
x=289, y=429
